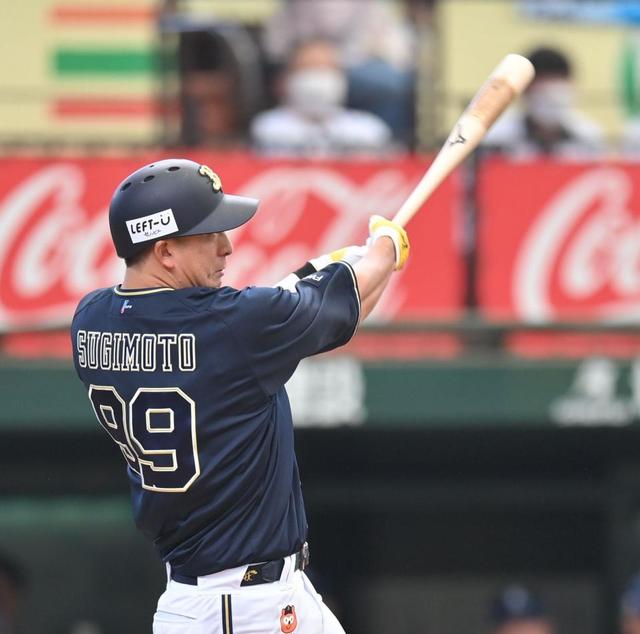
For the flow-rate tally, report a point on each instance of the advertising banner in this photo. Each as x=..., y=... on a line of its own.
x=337, y=390
x=55, y=244
x=559, y=241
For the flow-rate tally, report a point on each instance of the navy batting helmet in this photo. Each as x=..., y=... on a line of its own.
x=171, y=198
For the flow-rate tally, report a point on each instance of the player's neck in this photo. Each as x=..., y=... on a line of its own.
x=134, y=279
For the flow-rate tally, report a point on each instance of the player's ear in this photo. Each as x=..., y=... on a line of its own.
x=163, y=252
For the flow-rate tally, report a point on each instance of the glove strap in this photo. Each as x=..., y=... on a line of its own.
x=306, y=269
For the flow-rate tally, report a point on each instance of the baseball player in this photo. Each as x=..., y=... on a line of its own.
x=187, y=377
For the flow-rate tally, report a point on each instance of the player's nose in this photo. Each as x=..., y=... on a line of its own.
x=225, y=247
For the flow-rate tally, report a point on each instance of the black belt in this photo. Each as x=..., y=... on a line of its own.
x=256, y=574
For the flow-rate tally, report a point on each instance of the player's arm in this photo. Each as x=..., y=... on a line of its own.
x=373, y=265
x=373, y=274
x=277, y=328
x=388, y=252
x=350, y=254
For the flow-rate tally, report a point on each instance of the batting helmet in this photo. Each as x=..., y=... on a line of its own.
x=172, y=198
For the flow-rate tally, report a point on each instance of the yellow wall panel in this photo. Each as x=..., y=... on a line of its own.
x=33, y=31
x=23, y=41
x=248, y=11
x=476, y=34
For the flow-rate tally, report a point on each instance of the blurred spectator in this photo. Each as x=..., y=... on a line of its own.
x=12, y=589
x=548, y=124
x=313, y=121
x=210, y=99
x=630, y=143
x=630, y=607
x=377, y=47
x=517, y=611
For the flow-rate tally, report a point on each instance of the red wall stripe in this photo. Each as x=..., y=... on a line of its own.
x=105, y=107
x=100, y=14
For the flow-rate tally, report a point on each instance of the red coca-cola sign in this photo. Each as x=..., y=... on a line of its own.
x=559, y=241
x=55, y=244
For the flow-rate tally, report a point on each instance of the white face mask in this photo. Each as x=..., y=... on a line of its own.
x=316, y=92
x=549, y=102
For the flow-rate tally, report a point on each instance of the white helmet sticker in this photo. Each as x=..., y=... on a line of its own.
x=153, y=226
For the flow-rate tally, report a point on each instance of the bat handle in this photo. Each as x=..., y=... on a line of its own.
x=436, y=173
x=404, y=214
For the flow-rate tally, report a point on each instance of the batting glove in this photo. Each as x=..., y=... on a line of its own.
x=379, y=226
x=350, y=254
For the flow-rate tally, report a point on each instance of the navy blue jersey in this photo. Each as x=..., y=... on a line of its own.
x=190, y=385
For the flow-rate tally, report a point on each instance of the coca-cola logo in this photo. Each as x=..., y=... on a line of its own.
x=581, y=255
x=54, y=248
x=308, y=211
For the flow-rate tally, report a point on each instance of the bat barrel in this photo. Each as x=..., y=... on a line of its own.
x=510, y=77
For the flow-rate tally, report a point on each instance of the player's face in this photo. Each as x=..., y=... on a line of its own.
x=200, y=260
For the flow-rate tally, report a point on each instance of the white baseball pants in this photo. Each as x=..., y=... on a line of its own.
x=219, y=605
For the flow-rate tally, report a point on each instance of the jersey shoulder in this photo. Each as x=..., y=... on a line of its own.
x=91, y=298
x=254, y=301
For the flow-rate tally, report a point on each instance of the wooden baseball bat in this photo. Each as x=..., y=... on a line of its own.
x=510, y=77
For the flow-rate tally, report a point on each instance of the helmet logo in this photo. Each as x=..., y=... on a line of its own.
x=216, y=183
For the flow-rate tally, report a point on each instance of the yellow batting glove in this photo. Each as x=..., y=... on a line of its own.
x=379, y=226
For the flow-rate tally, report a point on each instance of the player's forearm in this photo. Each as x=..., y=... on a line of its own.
x=387, y=250
x=371, y=301
x=373, y=273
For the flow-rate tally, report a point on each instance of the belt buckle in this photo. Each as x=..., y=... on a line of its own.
x=265, y=572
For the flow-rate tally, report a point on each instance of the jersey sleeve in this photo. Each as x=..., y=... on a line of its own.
x=278, y=328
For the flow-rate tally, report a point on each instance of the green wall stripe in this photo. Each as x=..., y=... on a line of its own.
x=104, y=61
x=64, y=512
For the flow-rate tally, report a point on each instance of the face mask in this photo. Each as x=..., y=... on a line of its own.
x=549, y=102
x=316, y=92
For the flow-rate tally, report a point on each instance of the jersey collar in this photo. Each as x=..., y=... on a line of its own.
x=127, y=292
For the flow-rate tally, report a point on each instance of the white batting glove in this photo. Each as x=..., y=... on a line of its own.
x=350, y=254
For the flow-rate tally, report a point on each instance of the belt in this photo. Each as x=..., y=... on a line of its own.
x=256, y=574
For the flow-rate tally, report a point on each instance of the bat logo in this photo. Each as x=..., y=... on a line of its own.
x=459, y=138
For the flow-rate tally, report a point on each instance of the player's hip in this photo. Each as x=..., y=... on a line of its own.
x=287, y=605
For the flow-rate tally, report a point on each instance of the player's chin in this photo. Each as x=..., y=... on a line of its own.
x=215, y=280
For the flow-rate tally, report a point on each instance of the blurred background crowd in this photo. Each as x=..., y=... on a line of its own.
x=293, y=77
x=471, y=460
